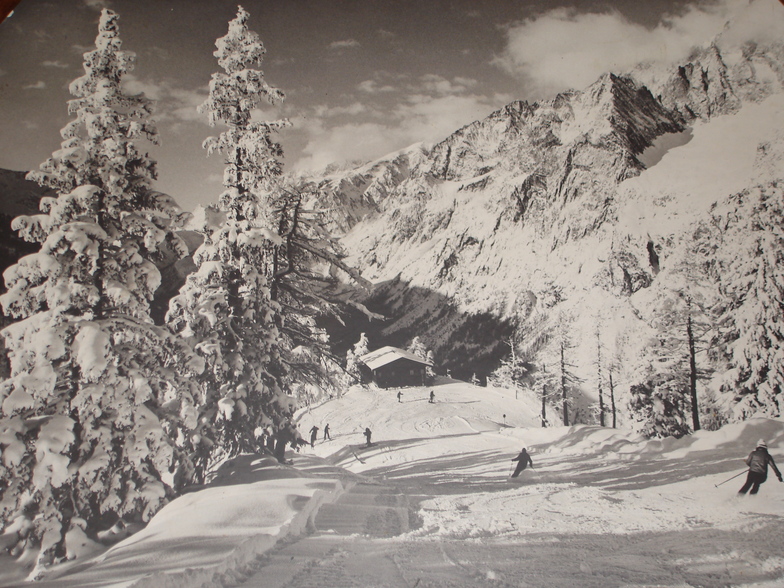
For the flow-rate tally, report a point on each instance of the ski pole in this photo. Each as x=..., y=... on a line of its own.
x=732, y=478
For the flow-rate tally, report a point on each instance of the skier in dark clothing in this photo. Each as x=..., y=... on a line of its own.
x=758, y=461
x=313, y=432
x=523, y=461
x=368, y=433
x=326, y=432
x=432, y=397
x=399, y=396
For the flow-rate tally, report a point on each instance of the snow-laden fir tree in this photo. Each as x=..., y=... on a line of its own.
x=360, y=348
x=227, y=308
x=513, y=371
x=418, y=348
x=751, y=271
x=97, y=393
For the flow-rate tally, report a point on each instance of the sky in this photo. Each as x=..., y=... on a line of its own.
x=362, y=78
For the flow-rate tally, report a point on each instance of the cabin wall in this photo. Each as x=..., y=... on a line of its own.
x=401, y=372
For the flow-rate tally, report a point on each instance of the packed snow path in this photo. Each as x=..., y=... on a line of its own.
x=429, y=503
x=598, y=509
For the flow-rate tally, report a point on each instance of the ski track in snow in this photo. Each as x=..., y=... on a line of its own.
x=627, y=511
x=430, y=504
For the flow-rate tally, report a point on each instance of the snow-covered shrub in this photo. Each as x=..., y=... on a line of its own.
x=97, y=394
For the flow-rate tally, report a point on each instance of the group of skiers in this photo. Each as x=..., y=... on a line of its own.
x=758, y=462
x=314, y=433
x=431, y=397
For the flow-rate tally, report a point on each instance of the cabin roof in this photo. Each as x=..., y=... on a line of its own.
x=386, y=355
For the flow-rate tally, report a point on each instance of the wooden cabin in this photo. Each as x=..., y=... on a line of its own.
x=391, y=367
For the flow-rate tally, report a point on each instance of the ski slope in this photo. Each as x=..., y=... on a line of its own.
x=600, y=508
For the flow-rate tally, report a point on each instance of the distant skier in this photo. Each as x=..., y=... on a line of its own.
x=758, y=461
x=399, y=395
x=286, y=435
x=326, y=432
x=432, y=397
x=523, y=461
x=368, y=433
x=313, y=432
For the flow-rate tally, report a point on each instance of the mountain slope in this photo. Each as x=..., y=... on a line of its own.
x=570, y=207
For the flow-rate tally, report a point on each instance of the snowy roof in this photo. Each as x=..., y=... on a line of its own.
x=386, y=355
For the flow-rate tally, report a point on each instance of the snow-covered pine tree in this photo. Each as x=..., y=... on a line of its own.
x=751, y=270
x=359, y=349
x=226, y=309
x=97, y=393
x=513, y=371
x=417, y=347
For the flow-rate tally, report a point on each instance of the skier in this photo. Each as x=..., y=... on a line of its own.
x=399, y=395
x=313, y=432
x=368, y=433
x=758, y=461
x=284, y=436
x=326, y=432
x=432, y=397
x=523, y=460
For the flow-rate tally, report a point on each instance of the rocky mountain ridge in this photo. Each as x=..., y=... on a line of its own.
x=527, y=210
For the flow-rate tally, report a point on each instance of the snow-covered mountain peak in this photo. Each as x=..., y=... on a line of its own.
x=573, y=203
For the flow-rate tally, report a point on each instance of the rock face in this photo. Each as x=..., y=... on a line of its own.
x=529, y=209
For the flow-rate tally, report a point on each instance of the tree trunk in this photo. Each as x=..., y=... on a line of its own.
x=563, y=388
x=599, y=378
x=544, y=399
x=695, y=409
x=612, y=401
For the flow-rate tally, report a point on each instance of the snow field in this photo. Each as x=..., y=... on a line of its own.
x=612, y=508
x=586, y=481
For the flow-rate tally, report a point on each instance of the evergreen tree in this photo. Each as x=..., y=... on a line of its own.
x=97, y=393
x=751, y=270
x=418, y=348
x=513, y=371
x=227, y=308
x=360, y=348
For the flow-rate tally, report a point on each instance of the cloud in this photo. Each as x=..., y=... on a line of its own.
x=564, y=49
x=347, y=44
x=82, y=49
x=39, y=85
x=353, y=109
x=761, y=21
x=417, y=117
x=58, y=64
x=373, y=87
x=174, y=105
x=97, y=5
x=441, y=86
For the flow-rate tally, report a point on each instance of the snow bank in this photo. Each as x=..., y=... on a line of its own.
x=209, y=536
